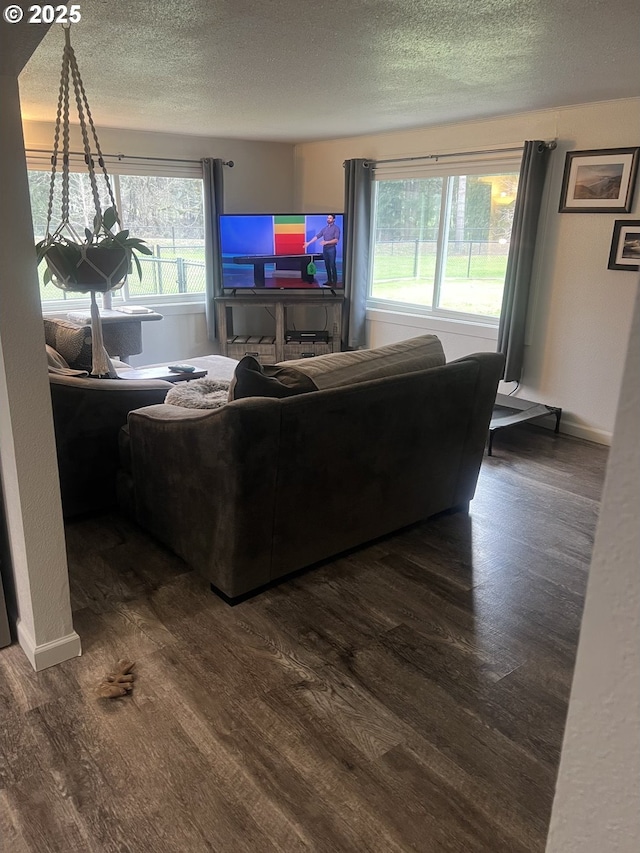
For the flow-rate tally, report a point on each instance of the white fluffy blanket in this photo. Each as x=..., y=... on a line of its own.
x=199, y=394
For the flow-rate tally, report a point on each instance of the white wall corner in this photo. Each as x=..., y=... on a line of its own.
x=595, y=808
x=43, y=655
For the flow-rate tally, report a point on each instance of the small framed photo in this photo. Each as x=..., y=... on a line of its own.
x=625, y=246
x=599, y=181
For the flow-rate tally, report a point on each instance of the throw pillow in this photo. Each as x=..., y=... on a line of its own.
x=199, y=394
x=347, y=368
x=71, y=341
x=252, y=379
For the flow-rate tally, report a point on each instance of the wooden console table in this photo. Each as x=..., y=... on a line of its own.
x=270, y=349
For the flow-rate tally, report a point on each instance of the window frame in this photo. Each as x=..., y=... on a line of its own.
x=455, y=166
x=118, y=166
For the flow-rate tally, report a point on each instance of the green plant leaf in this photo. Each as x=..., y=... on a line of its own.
x=139, y=246
x=109, y=218
x=46, y=278
x=138, y=267
x=121, y=237
x=88, y=233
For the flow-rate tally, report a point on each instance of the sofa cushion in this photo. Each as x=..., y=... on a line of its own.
x=347, y=368
x=71, y=341
x=252, y=379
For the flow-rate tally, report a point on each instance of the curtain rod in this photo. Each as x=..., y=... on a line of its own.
x=551, y=145
x=228, y=163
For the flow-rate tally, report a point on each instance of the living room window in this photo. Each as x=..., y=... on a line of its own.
x=441, y=238
x=165, y=210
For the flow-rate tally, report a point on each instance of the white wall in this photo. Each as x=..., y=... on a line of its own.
x=580, y=312
x=27, y=447
x=597, y=802
x=261, y=180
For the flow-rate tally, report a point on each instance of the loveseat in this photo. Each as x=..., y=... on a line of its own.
x=345, y=448
x=88, y=414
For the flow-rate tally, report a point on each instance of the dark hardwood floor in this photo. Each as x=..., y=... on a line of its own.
x=410, y=696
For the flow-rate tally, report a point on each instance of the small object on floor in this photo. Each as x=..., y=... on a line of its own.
x=181, y=368
x=119, y=682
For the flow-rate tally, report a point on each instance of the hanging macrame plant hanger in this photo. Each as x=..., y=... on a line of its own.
x=75, y=265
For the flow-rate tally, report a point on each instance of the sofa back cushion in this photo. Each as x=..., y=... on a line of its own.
x=71, y=341
x=289, y=378
x=347, y=368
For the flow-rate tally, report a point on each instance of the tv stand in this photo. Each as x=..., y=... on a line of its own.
x=270, y=349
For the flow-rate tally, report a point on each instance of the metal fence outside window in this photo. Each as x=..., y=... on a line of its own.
x=420, y=250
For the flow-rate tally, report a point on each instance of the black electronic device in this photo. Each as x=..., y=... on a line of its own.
x=294, y=336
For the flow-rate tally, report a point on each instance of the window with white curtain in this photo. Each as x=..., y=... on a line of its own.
x=163, y=206
x=441, y=236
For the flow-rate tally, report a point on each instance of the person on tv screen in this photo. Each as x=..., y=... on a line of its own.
x=329, y=237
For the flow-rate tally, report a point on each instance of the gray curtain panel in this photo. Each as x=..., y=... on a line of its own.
x=213, y=206
x=357, y=249
x=515, y=299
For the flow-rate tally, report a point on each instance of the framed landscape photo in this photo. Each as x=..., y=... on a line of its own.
x=599, y=181
x=625, y=246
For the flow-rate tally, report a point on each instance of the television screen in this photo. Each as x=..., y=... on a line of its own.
x=280, y=251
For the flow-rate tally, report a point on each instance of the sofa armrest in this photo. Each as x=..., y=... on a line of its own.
x=490, y=366
x=87, y=416
x=123, y=387
x=205, y=484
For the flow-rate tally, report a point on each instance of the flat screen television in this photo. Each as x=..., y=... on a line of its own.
x=266, y=252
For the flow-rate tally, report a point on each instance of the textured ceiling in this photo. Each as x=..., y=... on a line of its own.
x=299, y=70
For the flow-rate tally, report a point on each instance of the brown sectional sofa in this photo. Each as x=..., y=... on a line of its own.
x=265, y=485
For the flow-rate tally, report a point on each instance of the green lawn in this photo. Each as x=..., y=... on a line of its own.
x=458, y=266
x=472, y=285
x=473, y=296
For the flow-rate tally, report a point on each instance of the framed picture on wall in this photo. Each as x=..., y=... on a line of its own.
x=599, y=181
x=625, y=246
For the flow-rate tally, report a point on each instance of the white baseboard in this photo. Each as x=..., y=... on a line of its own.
x=48, y=654
x=599, y=436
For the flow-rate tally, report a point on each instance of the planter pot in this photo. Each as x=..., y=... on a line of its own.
x=99, y=268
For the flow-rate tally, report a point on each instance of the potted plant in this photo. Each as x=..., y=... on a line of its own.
x=100, y=263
